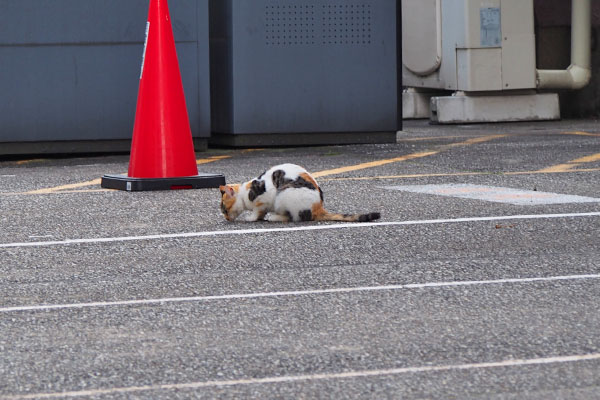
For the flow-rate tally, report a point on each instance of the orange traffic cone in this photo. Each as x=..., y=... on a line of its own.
x=162, y=150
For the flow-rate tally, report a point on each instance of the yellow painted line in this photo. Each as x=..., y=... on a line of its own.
x=35, y=160
x=69, y=188
x=85, y=191
x=424, y=138
x=552, y=172
x=579, y=133
x=334, y=171
x=390, y=177
x=372, y=164
x=412, y=156
x=211, y=159
x=571, y=165
x=64, y=187
x=477, y=140
x=558, y=168
x=407, y=176
x=587, y=159
x=67, y=191
x=416, y=176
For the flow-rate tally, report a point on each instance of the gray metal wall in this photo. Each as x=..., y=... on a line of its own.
x=69, y=69
x=282, y=66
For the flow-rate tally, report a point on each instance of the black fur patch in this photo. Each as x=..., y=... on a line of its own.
x=256, y=189
x=305, y=215
x=282, y=183
x=321, y=194
x=303, y=183
x=279, y=178
x=297, y=184
x=289, y=216
x=369, y=217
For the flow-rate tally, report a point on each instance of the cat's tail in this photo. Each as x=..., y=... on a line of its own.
x=327, y=216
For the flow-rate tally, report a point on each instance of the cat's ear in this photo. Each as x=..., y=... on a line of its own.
x=227, y=189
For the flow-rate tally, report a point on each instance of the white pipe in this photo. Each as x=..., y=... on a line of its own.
x=579, y=73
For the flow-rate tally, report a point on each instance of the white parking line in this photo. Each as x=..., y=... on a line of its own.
x=296, y=293
x=313, y=377
x=294, y=229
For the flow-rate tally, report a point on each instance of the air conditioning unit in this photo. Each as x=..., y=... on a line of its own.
x=474, y=61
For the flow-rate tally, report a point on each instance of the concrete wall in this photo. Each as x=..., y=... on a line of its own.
x=553, y=37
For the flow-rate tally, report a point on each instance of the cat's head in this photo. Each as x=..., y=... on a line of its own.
x=231, y=204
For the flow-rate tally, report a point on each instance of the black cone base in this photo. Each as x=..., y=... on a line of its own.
x=123, y=182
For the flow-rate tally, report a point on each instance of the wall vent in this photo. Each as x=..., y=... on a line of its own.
x=318, y=24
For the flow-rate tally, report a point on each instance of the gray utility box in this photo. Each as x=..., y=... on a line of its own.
x=304, y=72
x=69, y=72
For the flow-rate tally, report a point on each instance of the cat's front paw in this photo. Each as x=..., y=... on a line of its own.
x=277, y=218
x=255, y=216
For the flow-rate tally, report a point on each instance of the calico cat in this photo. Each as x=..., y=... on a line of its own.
x=284, y=193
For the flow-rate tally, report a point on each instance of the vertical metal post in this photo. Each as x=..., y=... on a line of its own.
x=399, y=62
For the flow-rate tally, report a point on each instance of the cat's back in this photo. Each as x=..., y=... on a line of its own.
x=265, y=187
x=288, y=170
x=286, y=176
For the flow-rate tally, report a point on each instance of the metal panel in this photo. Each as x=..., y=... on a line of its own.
x=70, y=68
x=468, y=26
x=518, y=48
x=479, y=69
x=305, y=66
x=422, y=36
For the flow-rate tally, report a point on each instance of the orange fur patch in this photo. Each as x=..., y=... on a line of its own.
x=235, y=187
x=310, y=179
x=228, y=201
x=318, y=211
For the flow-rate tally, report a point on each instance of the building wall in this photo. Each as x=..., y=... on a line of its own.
x=69, y=70
x=553, y=37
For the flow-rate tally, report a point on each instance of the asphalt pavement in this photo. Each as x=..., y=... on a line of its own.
x=481, y=280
